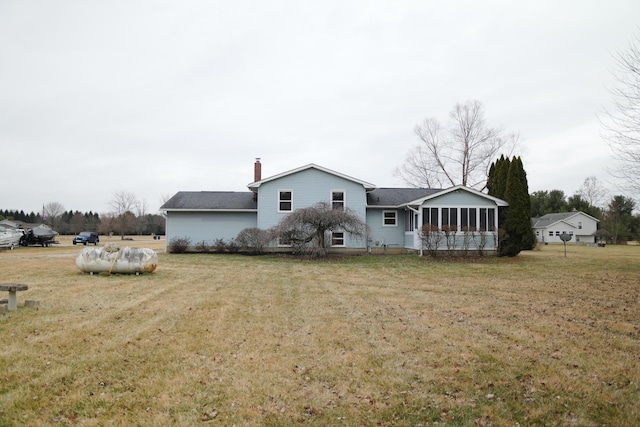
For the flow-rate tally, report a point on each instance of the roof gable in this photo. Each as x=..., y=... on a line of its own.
x=254, y=185
x=553, y=218
x=497, y=201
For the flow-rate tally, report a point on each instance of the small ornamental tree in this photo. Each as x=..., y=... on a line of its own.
x=307, y=229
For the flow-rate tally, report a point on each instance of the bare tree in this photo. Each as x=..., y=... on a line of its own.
x=307, y=229
x=53, y=212
x=107, y=223
x=592, y=191
x=142, y=209
x=622, y=124
x=123, y=203
x=460, y=154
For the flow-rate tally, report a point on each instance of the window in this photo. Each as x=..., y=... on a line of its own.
x=337, y=200
x=483, y=219
x=468, y=219
x=450, y=218
x=389, y=218
x=491, y=219
x=284, y=241
x=579, y=225
x=487, y=220
x=337, y=238
x=409, y=220
x=551, y=234
x=557, y=233
x=285, y=200
x=430, y=216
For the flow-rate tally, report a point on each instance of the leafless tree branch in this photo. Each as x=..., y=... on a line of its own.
x=622, y=123
x=460, y=154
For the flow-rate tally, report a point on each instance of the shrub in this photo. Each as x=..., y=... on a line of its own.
x=233, y=246
x=203, y=246
x=253, y=240
x=219, y=245
x=179, y=245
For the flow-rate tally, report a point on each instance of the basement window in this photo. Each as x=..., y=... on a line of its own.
x=337, y=238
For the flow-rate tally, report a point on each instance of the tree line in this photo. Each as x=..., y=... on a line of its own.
x=73, y=222
x=130, y=216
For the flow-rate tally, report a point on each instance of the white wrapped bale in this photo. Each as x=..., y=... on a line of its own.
x=117, y=260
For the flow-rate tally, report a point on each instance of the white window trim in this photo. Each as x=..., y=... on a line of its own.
x=344, y=240
x=459, y=218
x=282, y=245
x=344, y=197
x=395, y=215
x=279, y=200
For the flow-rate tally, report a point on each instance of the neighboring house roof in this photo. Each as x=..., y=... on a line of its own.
x=553, y=218
x=212, y=201
x=367, y=185
x=395, y=197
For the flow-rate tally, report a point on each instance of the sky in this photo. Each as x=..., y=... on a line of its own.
x=156, y=97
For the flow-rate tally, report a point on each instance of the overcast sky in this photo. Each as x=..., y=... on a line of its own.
x=155, y=97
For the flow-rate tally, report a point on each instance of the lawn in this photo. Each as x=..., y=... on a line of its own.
x=538, y=339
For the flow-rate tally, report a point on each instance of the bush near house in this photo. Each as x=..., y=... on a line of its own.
x=179, y=245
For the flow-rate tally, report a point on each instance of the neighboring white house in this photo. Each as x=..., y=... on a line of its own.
x=395, y=216
x=579, y=225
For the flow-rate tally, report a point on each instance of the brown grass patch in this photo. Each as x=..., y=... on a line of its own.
x=393, y=340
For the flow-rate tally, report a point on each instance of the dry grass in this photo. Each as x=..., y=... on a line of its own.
x=392, y=340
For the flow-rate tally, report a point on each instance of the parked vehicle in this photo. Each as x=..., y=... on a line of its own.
x=40, y=235
x=86, y=237
x=9, y=237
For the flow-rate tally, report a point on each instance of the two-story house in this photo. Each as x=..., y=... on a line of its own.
x=394, y=216
x=579, y=225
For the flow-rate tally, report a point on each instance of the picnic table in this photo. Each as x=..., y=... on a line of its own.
x=13, y=288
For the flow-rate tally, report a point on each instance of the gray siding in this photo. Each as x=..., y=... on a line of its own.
x=309, y=186
x=389, y=236
x=208, y=226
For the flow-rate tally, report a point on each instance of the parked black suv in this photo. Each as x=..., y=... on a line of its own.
x=86, y=237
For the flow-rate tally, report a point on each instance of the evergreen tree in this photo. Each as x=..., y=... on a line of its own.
x=497, y=180
x=518, y=220
x=509, y=182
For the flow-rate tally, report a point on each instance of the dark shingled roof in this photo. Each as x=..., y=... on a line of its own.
x=552, y=218
x=211, y=200
x=397, y=196
x=233, y=200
